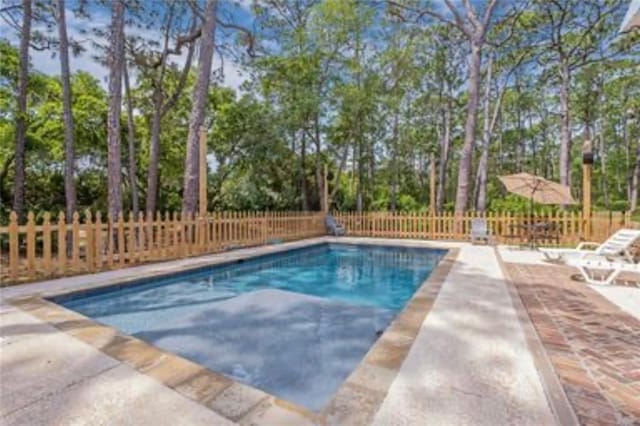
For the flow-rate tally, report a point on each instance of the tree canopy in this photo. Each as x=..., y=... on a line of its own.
x=379, y=92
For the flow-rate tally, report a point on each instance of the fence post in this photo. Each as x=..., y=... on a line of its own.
x=88, y=229
x=173, y=249
x=155, y=231
x=14, y=251
x=46, y=243
x=75, y=248
x=161, y=240
x=31, y=245
x=121, y=247
x=98, y=252
x=111, y=236
x=143, y=236
x=131, y=240
x=62, y=243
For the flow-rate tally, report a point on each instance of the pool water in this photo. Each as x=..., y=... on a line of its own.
x=293, y=324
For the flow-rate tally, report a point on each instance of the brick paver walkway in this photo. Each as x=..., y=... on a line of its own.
x=593, y=345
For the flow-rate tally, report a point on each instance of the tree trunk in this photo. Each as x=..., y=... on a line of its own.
x=201, y=92
x=521, y=151
x=338, y=175
x=154, y=154
x=635, y=180
x=393, y=193
x=69, y=154
x=604, y=170
x=534, y=147
x=116, y=61
x=303, y=172
x=359, y=200
x=161, y=106
x=464, y=170
x=444, y=156
x=131, y=139
x=481, y=202
x=21, y=113
x=319, y=164
x=565, y=125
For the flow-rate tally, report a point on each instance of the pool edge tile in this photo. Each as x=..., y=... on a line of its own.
x=236, y=401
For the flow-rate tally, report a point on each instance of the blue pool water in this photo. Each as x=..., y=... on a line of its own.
x=294, y=324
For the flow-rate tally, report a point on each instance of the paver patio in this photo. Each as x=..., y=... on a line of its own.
x=593, y=345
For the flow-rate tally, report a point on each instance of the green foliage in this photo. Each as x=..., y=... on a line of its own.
x=360, y=89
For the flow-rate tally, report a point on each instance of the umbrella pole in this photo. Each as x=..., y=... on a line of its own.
x=531, y=230
x=532, y=237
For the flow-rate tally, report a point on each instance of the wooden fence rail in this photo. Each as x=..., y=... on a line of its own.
x=48, y=247
x=566, y=228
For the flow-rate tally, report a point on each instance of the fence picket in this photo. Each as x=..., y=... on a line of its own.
x=99, y=243
x=31, y=245
x=62, y=244
x=89, y=247
x=94, y=245
x=46, y=243
x=75, y=238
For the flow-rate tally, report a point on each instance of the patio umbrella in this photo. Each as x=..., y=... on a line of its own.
x=537, y=189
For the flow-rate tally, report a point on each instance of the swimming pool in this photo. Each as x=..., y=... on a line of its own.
x=293, y=324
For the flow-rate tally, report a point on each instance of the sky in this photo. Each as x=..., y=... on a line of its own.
x=47, y=62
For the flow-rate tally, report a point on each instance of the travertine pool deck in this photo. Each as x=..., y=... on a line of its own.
x=470, y=363
x=462, y=352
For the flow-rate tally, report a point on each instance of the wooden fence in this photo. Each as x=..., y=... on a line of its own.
x=47, y=247
x=570, y=228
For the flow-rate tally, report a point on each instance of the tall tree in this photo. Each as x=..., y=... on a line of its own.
x=131, y=141
x=570, y=35
x=69, y=128
x=200, y=99
x=21, y=112
x=155, y=65
x=505, y=66
x=475, y=27
x=116, y=66
x=634, y=187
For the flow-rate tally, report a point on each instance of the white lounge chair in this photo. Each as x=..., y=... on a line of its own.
x=617, y=246
x=611, y=268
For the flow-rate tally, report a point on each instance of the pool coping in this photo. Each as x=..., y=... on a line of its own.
x=555, y=393
x=355, y=402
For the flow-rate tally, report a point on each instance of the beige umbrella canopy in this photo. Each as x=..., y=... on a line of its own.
x=537, y=189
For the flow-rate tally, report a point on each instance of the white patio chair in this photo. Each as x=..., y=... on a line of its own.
x=479, y=231
x=617, y=246
x=333, y=227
